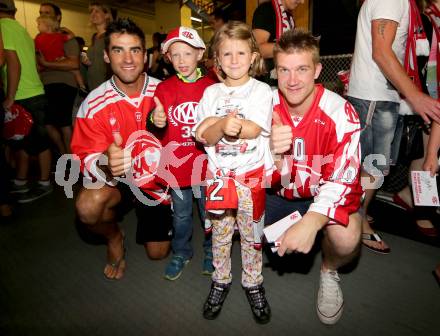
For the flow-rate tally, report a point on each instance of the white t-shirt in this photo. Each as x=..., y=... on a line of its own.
x=366, y=80
x=253, y=101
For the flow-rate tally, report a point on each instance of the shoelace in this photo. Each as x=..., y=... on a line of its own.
x=257, y=298
x=329, y=283
x=215, y=295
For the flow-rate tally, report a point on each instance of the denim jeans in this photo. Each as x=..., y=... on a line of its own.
x=278, y=207
x=183, y=221
x=378, y=121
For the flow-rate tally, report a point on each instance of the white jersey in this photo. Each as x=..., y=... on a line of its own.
x=252, y=101
x=366, y=79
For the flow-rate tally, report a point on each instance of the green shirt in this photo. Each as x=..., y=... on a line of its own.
x=16, y=38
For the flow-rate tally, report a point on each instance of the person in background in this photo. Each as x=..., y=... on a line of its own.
x=383, y=69
x=23, y=86
x=5, y=202
x=50, y=42
x=98, y=71
x=269, y=21
x=431, y=164
x=158, y=65
x=217, y=19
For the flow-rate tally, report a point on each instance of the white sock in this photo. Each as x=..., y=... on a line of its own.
x=20, y=182
x=44, y=183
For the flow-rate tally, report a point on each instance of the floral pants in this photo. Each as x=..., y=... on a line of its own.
x=222, y=232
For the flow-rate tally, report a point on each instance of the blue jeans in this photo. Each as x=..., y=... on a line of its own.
x=183, y=222
x=278, y=207
x=378, y=121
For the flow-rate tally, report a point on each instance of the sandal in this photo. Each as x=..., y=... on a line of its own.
x=116, y=264
x=375, y=238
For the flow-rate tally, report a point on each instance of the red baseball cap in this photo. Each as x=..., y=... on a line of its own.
x=183, y=34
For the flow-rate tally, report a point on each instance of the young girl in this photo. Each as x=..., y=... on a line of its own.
x=50, y=43
x=234, y=121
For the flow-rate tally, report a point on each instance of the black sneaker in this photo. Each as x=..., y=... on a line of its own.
x=214, y=302
x=259, y=305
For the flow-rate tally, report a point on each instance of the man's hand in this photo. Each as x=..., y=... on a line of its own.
x=232, y=125
x=281, y=136
x=301, y=236
x=159, y=116
x=427, y=107
x=119, y=160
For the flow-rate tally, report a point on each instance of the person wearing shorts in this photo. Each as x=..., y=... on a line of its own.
x=381, y=72
x=315, y=139
x=112, y=143
x=22, y=85
x=147, y=231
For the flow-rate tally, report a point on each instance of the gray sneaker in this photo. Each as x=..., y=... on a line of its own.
x=35, y=193
x=330, y=300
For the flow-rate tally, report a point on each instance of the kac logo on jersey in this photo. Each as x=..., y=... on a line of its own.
x=145, y=151
x=185, y=113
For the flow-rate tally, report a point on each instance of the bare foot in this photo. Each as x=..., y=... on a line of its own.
x=377, y=246
x=115, y=267
x=374, y=242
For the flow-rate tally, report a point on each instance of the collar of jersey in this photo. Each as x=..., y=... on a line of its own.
x=122, y=94
x=186, y=80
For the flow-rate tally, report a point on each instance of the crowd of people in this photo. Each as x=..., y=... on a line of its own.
x=249, y=152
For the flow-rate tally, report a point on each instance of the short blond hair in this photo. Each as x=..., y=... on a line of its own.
x=237, y=30
x=49, y=21
x=295, y=41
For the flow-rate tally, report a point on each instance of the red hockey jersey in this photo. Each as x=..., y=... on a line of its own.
x=180, y=101
x=107, y=110
x=324, y=158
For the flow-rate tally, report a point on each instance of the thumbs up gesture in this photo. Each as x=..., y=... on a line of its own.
x=232, y=125
x=159, y=116
x=281, y=136
x=119, y=160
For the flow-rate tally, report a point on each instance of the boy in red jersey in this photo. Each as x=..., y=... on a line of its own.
x=177, y=99
x=315, y=133
x=107, y=125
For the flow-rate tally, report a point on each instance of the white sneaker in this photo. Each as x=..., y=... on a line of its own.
x=330, y=301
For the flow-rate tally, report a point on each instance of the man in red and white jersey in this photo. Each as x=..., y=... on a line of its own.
x=315, y=137
x=110, y=125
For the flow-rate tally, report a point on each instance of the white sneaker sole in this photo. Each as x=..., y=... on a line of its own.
x=330, y=320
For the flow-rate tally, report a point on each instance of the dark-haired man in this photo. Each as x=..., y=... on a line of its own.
x=315, y=134
x=106, y=123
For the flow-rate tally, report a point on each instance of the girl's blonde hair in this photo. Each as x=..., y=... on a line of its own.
x=237, y=30
x=49, y=21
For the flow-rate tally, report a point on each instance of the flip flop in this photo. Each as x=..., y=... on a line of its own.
x=115, y=264
x=375, y=238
